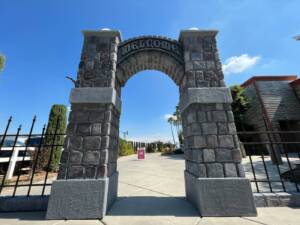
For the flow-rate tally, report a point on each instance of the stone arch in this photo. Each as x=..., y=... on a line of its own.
x=215, y=182
x=152, y=57
x=149, y=60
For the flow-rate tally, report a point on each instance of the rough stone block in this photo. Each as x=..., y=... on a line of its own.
x=230, y=116
x=209, y=128
x=75, y=142
x=201, y=116
x=226, y=141
x=219, y=106
x=79, y=116
x=208, y=155
x=223, y=155
x=231, y=128
x=92, y=142
x=90, y=172
x=209, y=117
x=230, y=170
x=96, y=129
x=75, y=157
x=197, y=155
x=75, y=172
x=271, y=199
x=222, y=128
x=219, y=116
x=259, y=200
x=241, y=170
x=195, y=129
x=236, y=156
x=84, y=129
x=104, y=157
x=191, y=117
x=199, y=142
x=105, y=141
x=212, y=141
x=201, y=170
x=96, y=116
x=102, y=171
x=106, y=129
x=91, y=158
x=220, y=196
x=214, y=170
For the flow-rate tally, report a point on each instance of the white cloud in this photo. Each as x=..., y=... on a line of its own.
x=238, y=64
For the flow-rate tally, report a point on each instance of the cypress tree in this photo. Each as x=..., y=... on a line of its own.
x=56, y=124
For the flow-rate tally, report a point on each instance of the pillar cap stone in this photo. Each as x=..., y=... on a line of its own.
x=197, y=32
x=205, y=95
x=100, y=95
x=102, y=33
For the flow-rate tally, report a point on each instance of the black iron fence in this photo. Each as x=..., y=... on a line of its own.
x=25, y=161
x=271, y=160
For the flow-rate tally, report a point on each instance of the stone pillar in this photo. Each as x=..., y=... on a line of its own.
x=214, y=178
x=88, y=178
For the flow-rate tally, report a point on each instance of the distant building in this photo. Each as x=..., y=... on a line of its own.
x=274, y=101
x=274, y=106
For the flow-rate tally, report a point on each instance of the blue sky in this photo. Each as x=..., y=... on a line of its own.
x=42, y=43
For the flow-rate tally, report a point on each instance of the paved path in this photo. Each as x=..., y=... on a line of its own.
x=152, y=192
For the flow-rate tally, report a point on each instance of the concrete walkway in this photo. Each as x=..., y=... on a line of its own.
x=152, y=192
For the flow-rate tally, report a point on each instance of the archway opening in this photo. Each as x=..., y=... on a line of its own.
x=154, y=185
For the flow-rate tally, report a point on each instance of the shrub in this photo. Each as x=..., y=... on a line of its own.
x=150, y=148
x=125, y=148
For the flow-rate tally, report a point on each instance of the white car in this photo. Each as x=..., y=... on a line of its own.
x=11, y=155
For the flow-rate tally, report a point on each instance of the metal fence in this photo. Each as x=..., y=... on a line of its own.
x=271, y=160
x=20, y=174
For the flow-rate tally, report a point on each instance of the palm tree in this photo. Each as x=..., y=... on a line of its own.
x=171, y=121
x=178, y=124
x=2, y=62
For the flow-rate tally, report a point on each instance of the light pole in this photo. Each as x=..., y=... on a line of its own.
x=125, y=133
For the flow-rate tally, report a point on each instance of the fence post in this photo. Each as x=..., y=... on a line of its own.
x=12, y=164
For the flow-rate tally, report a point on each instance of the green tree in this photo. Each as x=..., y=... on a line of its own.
x=2, y=62
x=178, y=124
x=56, y=125
x=240, y=105
x=125, y=147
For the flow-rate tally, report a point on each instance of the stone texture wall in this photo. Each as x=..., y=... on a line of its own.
x=98, y=61
x=202, y=64
x=91, y=145
x=211, y=143
x=150, y=60
x=279, y=100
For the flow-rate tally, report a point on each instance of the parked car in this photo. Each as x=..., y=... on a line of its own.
x=14, y=156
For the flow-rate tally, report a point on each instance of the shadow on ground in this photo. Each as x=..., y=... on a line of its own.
x=28, y=216
x=174, y=156
x=152, y=206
